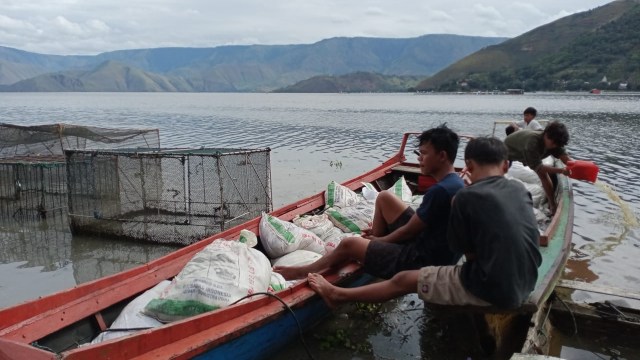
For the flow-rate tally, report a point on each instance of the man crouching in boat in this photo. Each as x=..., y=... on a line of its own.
x=530, y=147
x=492, y=223
x=401, y=238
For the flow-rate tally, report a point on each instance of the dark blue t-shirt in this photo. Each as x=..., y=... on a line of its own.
x=431, y=247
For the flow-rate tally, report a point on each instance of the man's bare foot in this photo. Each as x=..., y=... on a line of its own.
x=290, y=272
x=324, y=288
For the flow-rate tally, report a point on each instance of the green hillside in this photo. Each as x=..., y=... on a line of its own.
x=109, y=76
x=572, y=53
x=354, y=82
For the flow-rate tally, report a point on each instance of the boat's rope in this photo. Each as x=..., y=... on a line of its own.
x=300, y=334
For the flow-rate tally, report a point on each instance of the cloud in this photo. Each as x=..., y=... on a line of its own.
x=439, y=16
x=62, y=25
x=89, y=27
x=374, y=11
x=488, y=13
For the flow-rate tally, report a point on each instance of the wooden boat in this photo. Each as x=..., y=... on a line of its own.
x=61, y=325
x=582, y=320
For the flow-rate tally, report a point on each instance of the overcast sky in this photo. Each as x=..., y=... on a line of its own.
x=76, y=27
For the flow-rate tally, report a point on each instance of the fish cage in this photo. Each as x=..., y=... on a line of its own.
x=171, y=196
x=32, y=188
x=33, y=169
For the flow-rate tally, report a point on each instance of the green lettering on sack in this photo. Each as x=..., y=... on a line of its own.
x=344, y=221
x=331, y=190
x=397, y=187
x=280, y=229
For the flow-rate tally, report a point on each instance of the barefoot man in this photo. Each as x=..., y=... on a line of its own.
x=401, y=238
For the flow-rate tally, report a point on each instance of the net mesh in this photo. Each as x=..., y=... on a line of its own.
x=54, y=139
x=32, y=164
x=166, y=195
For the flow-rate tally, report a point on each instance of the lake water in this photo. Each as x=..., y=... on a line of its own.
x=309, y=134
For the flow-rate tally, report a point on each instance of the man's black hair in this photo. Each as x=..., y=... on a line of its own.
x=486, y=151
x=509, y=130
x=531, y=110
x=442, y=139
x=557, y=132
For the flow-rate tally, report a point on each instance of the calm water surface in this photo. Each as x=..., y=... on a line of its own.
x=308, y=135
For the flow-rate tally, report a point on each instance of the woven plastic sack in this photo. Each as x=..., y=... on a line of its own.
x=401, y=190
x=317, y=224
x=296, y=258
x=221, y=273
x=339, y=196
x=131, y=316
x=282, y=237
x=353, y=219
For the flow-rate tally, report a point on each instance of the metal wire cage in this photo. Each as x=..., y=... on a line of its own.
x=33, y=169
x=166, y=195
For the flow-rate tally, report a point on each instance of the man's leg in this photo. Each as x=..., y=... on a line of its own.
x=349, y=249
x=402, y=283
x=388, y=208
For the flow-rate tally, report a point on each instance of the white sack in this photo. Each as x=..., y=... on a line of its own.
x=221, y=273
x=401, y=190
x=282, y=237
x=339, y=196
x=131, y=316
x=353, y=218
x=296, y=258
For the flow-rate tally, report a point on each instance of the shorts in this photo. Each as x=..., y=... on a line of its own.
x=381, y=258
x=441, y=285
x=401, y=220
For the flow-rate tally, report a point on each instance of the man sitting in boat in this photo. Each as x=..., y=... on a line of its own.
x=492, y=223
x=401, y=238
x=530, y=147
x=528, y=122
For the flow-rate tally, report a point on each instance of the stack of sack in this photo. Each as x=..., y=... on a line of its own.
x=530, y=180
x=218, y=275
x=226, y=271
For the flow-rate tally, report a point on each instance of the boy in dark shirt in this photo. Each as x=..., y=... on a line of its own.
x=492, y=223
x=401, y=238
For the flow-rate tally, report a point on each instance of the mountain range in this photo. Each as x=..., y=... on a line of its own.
x=599, y=48
x=233, y=68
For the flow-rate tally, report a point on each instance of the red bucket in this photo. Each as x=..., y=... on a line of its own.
x=583, y=170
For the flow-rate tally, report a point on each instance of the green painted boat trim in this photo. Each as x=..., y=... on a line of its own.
x=556, y=253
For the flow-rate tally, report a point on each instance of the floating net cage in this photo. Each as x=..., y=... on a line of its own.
x=32, y=163
x=173, y=196
x=32, y=188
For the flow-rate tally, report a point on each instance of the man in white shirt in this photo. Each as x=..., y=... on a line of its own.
x=528, y=123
